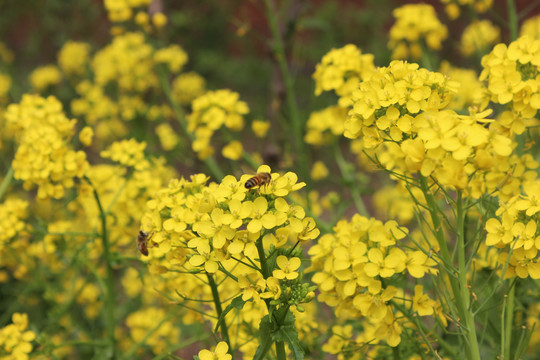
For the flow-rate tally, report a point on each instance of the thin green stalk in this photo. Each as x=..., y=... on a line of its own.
x=512, y=19
x=279, y=53
x=456, y=284
x=109, y=281
x=280, y=345
x=348, y=176
x=462, y=276
x=219, y=310
x=508, y=322
x=262, y=259
x=6, y=182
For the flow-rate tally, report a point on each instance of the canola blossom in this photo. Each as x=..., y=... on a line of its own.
x=177, y=188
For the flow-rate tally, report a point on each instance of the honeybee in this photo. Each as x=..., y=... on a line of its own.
x=260, y=179
x=142, y=241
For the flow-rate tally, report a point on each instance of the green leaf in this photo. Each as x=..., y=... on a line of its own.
x=236, y=303
x=265, y=334
x=287, y=332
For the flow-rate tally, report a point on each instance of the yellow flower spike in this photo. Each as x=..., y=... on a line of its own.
x=287, y=267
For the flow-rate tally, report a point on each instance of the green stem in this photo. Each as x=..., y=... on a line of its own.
x=6, y=182
x=462, y=276
x=262, y=259
x=109, y=281
x=219, y=310
x=349, y=178
x=509, y=317
x=279, y=53
x=512, y=19
x=210, y=162
x=445, y=254
x=280, y=350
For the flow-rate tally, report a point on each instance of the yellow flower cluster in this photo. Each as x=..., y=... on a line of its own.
x=74, y=57
x=168, y=137
x=353, y=267
x=515, y=231
x=325, y=125
x=125, y=72
x=453, y=6
x=188, y=86
x=416, y=26
x=15, y=340
x=511, y=73
x=341, y=70
x=221, y=229
x=478, y=37
x=403, y=108
x=129, y=153
x=208, y=218
x=210, y=112
x=122, y=10
x=173, y=56
x=44, y=76
x=531, y=28
x=13, y=212
x=144, y=321
x=127, y=62
x=44, y=157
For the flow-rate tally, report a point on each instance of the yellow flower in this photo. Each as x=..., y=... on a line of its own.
x=415, y=23
x=273, y=287
x=73, y=57
x=260, y=128
x=220, y=353
x=174, y=56
x=167, y=136
x=43, y=77
x=422, y=304
x=479, y=37
x=15, y=342
x=159, y=20
x=188, y=86
x=127, y=152
x=287, y=267
x=86, y=135
x=342, y=70
x=233, y=150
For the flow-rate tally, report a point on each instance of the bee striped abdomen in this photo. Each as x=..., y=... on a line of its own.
x=258, y=180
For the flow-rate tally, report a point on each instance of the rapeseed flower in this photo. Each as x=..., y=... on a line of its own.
x=479, y=37
x=219, y=353
x=15, y=340
x=188, y=86
x=416, y=26
x=43, y=77
x=74, y=57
